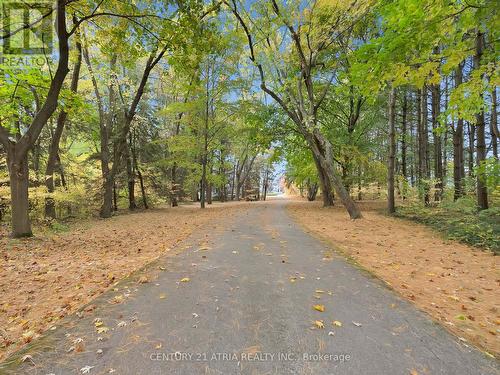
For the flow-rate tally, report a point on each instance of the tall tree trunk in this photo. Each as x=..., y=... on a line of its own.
x=135, y=166
x=324, y=182
x=204, y=156
x=423, y=145
x=222, y=173
x=482, y=192
x=53, y=160
x=391, y=204
x=323, y=150
x=233, y=181
x=471, y=137
x=266, y=184
x=174, y=191
x=495, y=135
x=238, y=185
x=19, y=183
x=438, y=161
x=446, y=134
x=209, y=189
x=114, y=196
x=132, y=205
x=458, y=145
x=404, y=145
x=412, y=148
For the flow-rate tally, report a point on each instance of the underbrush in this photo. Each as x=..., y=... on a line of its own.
x=459, y=221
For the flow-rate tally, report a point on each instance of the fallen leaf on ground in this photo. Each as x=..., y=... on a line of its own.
x=28, y=336
x=143, y=280
x=185, y=280
x=163, y=296
x=357, y=324
x=319, y=324
x=102, y=329
x=320, y=308
x=337, y=323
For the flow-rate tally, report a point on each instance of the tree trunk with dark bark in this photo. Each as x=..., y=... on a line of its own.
x=438, y=156
x=423, y=145
x=19, y=183
x=458, y=146
x=132, y=205
x=322, y=148
x=495, y=134
x=391, y=203
x=482, y=192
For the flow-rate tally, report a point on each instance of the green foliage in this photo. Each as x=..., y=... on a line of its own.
x=489, y=172
x=459, y=221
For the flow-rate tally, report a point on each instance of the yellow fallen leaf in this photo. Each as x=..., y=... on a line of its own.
x=98, y=323
x=319, y=291
x=163, y=296
x=117, y=299
x=320, y=308
x=185, y=280
x=337, y=323
x=102, y=329
x=319, y=324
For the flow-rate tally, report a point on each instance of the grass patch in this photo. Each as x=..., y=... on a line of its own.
x=459, y=221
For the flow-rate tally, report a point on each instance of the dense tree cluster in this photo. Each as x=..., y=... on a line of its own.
x=194, y=100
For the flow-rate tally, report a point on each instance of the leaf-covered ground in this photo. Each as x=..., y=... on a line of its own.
x=45, y=278
x=456, y=284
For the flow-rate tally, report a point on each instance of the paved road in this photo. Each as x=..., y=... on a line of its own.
x=247, y=309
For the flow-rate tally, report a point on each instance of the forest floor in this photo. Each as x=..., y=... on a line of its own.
x=455, y=283
x=50, y=276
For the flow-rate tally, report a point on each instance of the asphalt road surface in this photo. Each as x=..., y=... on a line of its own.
x=247, y=308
